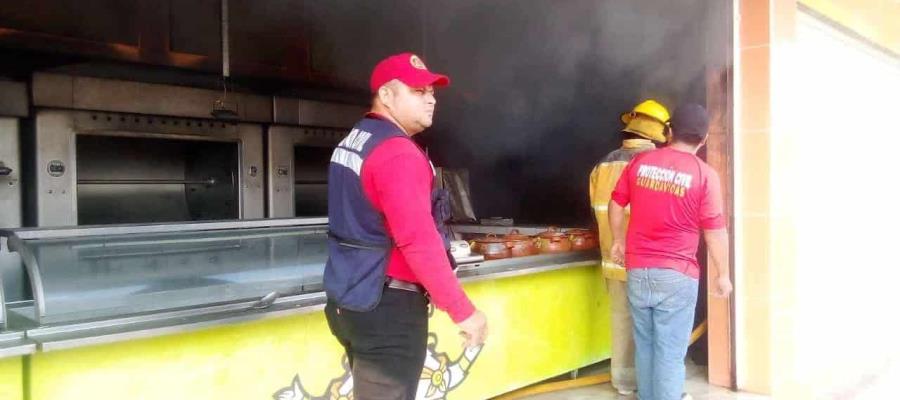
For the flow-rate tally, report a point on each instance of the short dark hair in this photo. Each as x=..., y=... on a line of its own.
x=690, y=124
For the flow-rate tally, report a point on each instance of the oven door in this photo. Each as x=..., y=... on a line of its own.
x=107, y=168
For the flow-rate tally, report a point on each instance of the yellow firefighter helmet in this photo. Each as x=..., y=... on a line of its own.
x=648, y=119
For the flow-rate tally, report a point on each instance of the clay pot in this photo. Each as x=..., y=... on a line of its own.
x=553, y=241
x=521, y=245
x=492, y=247
x=582, y=239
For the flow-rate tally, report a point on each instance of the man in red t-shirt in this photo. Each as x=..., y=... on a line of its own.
x=674, y=196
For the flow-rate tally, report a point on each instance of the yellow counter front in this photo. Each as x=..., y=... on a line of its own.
x=542, y=324
x=11, y=379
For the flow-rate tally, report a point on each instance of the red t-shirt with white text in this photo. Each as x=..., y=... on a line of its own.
x=673, y=196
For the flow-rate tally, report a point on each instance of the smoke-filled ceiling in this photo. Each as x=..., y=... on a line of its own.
x=537, y=88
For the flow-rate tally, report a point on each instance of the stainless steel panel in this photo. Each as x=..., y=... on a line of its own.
x=14, y=344
x=85, y=93
x=510, y=267
x=293, y=111
x=317, y=113
x=288, y=162
x=55, y=168
x=52, y=90
x=111, y=123
x=10, y=186
x=499, y=230
x=286, y=110
x=252, y=192
x=12, y=274
x=89, y=231
x=13, y=99
x=280, y=171
x=67, y=337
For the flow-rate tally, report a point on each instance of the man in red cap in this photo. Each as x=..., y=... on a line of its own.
x=385, y=252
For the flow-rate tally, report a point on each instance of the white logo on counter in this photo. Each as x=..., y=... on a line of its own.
x=440, y=375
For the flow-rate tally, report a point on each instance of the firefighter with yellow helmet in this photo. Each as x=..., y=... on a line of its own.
x=645, y=126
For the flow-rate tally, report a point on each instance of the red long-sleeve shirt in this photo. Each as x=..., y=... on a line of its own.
x=397, y=178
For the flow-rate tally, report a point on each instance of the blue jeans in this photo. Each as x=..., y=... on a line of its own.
x=662, y=306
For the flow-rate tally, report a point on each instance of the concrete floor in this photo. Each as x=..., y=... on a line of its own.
x=881, y=385
x=696, y=384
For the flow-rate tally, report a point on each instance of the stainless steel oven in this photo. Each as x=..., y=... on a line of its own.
x=94, y=168
x=298, y=169
x=298, y=156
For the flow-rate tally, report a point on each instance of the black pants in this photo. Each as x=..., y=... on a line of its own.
x=385, y=346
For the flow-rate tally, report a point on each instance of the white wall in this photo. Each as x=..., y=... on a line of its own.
x=835, y=168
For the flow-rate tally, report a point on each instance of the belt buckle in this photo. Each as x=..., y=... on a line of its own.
x=403, y=285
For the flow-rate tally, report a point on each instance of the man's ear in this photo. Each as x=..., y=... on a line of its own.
x=385, y=94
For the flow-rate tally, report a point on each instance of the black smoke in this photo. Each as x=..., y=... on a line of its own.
x=538, y=87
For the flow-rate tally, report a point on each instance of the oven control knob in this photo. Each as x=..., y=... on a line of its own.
x=56, y=168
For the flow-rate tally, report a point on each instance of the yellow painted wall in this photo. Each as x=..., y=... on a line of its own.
x=815, y=223
x=11, y=378
x=836, y=243
x=541, y=325
x=876, y=20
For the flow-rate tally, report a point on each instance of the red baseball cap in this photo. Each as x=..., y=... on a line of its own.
x=407, y=68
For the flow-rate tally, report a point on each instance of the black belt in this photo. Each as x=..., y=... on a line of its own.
x=404, y=285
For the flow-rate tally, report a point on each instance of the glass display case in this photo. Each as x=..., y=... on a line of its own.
x=83, y=274
x=12, y=342
x=102, y=284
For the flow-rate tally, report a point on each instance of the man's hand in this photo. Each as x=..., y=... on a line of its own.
x=474, y=329
x=617, y=225
x=717, y=243
x=617, y=252
x=723, y=287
